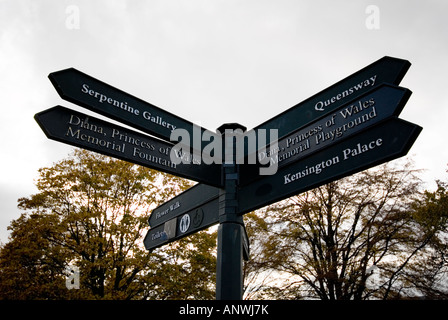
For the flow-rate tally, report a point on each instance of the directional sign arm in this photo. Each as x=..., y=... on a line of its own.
x=384, y=142
x=183, y=225
x=192, y=198
x=385, y=70
x=196, y=209
x=80, y=130
x=95, y=95
x=369, y=109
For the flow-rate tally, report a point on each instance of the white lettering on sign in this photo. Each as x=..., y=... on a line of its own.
x=76, y=124
x=350, y=114
x=319, y=106
x=347, y=153
x=159, y=235
x=123, y=105
x=137, y=153
x=316, y=169
x=172, y=207
x=158, y=120
x=116, y=134
x=347, y=120
x=361, y=148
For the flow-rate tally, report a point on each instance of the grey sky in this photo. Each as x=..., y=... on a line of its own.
x=210, y=62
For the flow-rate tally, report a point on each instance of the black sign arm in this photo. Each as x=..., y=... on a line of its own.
x=191, y=198
x=385, y=70
x=387, y=141
x=87, y=132
x=368, y=109
x=95, y=95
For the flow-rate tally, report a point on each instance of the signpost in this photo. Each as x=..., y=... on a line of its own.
x=346, y=128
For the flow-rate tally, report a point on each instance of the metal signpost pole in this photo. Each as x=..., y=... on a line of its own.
x=229, y=264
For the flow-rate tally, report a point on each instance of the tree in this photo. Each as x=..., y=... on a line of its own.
x=91, y=212
x=356, y=238
x=430, y=274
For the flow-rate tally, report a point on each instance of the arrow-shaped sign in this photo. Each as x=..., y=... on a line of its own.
x=80, y=130
x=95, y=95
x=370, y=108
x=181, y=216
x=383, y=142
x=188, y=200
x=385, y=70
x=169, y=222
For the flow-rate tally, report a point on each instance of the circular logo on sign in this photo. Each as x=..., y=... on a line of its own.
x=184, y=223
x=198, y=216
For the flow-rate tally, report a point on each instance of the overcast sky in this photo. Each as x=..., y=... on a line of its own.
x=211, y=62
